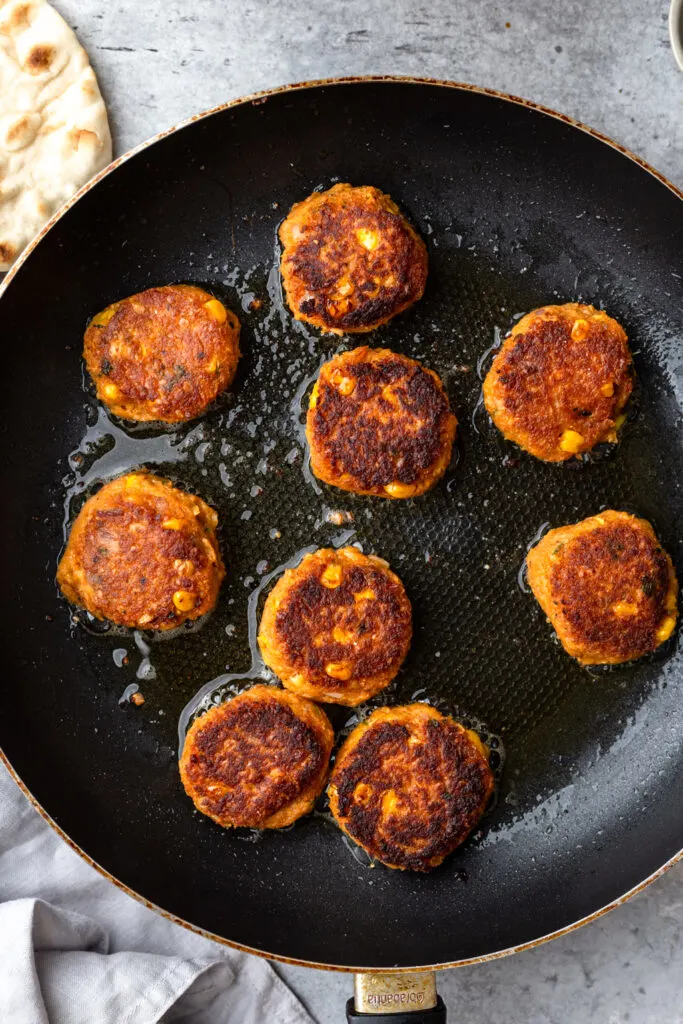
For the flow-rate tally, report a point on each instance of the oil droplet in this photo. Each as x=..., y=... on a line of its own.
x=343, y=538
x=146, y=669
x=479, y=414
x=125, y=697
x=522, y=578
x=483, y=358
x=358, y=853
x=522, y=573
x=216, y=690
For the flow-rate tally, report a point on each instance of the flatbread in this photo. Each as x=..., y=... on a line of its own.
x=54, y=133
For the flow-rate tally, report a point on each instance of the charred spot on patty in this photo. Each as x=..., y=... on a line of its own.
x=608, y=587
x=307, y=621
x=350, y=261
x=164, y=354
x=337, y=627
x=258, y=760
x=559, y=383
x=409, y=784
x=379, y=423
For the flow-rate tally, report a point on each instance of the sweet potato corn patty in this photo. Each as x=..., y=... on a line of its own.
x=350, y=260
x=164, y=354
x=258, y=760
x=379, y=423
x=143, y=554
x=607, y=586
x=409, y=785
x=337, y=627
x=559, y=383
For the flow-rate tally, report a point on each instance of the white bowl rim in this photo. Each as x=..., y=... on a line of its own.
x=676, y=30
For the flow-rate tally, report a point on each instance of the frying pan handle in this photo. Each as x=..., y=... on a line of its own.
x=396, y=999
x=437, y=1015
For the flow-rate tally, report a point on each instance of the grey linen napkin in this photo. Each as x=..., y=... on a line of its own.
x=75, y=949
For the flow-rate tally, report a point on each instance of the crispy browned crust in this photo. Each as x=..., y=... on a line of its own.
x=607, y=586
x=369, y=611
x=160, y=355
x=379, y=423
x=545, y=381
x=138, y=542
x=409, y=785
x=259, y=760
x=331, y=278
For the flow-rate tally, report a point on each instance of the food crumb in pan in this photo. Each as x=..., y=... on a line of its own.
x=131, y=695
x=120, y=657
x=337, y=517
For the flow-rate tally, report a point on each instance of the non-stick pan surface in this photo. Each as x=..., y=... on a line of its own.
x=518, y=209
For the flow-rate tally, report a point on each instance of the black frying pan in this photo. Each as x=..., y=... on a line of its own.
x=519, y=208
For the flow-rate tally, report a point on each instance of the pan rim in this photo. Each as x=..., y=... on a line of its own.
x=254, y=98
x=320, y=965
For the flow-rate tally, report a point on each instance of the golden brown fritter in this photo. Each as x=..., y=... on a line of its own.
x=350, y=260
x=337, y=627
x=409, y=785
x=164, y=354
x=143, y=554
x=607, y=586
x=259, y=760
x=559, y=383
x=379, y=423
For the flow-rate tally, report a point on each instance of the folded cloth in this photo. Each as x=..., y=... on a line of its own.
x=75, y=949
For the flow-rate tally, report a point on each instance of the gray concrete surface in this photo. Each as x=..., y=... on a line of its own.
x=607, y=63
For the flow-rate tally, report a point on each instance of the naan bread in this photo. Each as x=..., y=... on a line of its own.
x=54, y=133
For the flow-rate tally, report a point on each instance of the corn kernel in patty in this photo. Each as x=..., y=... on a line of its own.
x=216, y=310
x=571, y=441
